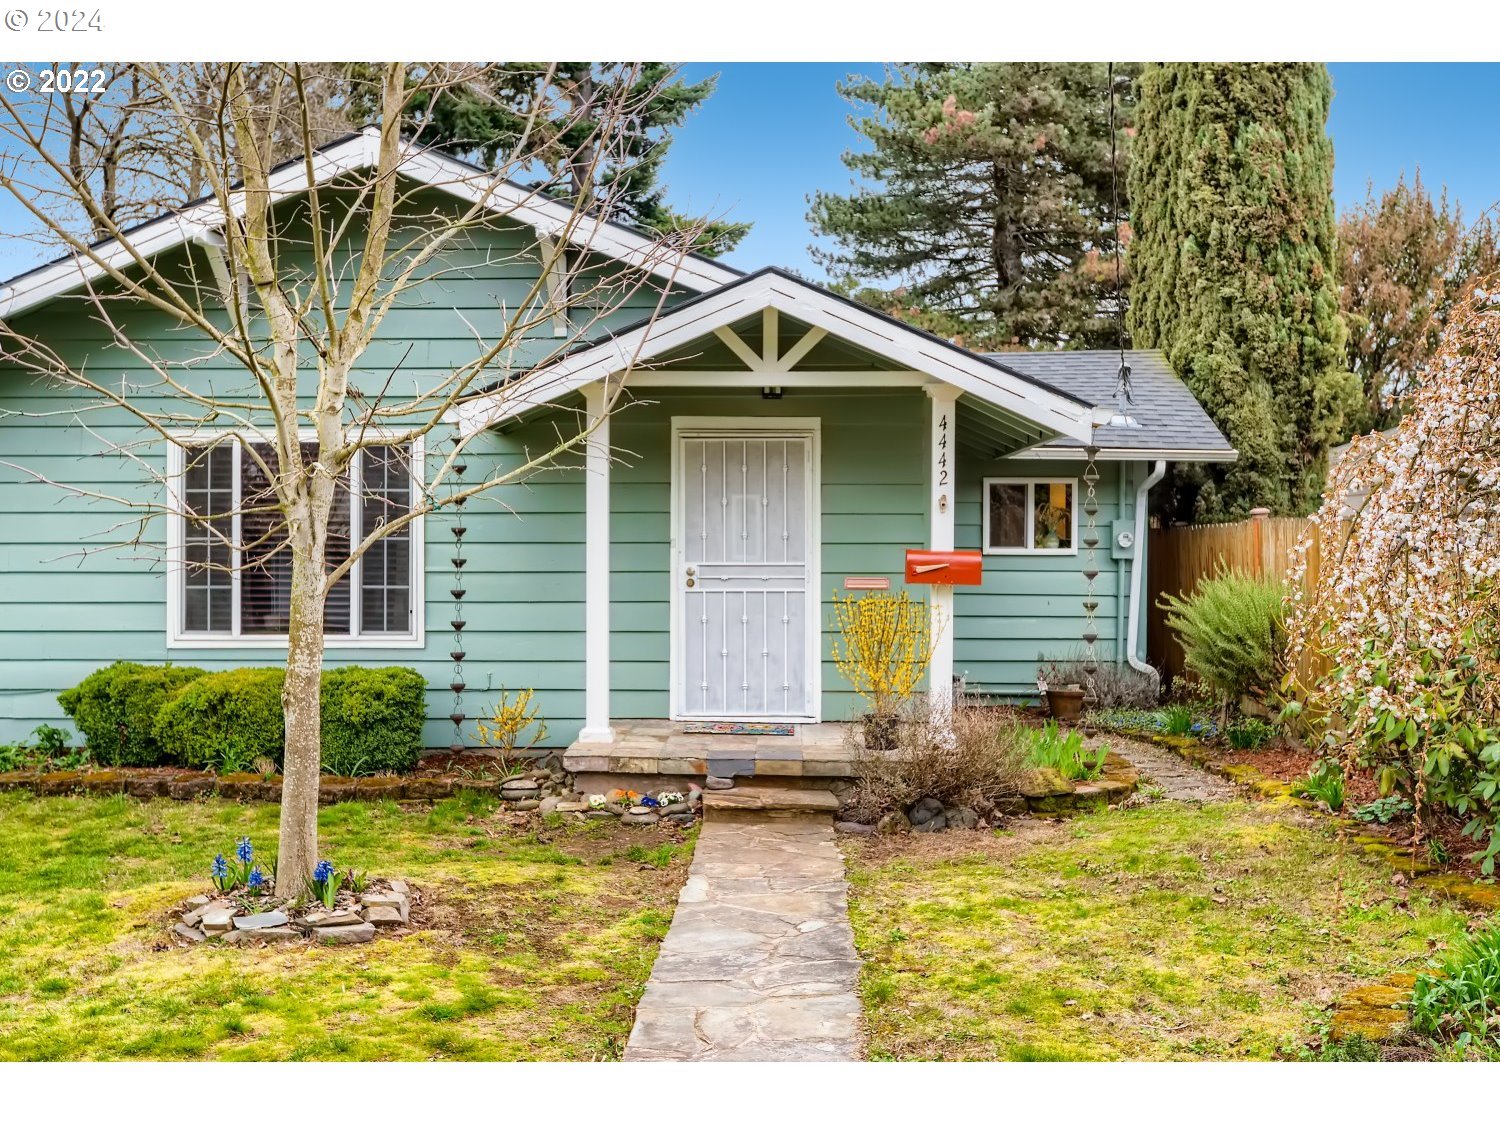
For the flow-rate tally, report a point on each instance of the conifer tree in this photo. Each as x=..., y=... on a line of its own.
x=554, y=108
x=985, y=207
x=1233, y=272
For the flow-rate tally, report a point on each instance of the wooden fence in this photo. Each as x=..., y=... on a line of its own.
x=1177, y=557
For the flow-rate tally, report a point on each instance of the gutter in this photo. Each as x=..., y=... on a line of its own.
x=1138, y=576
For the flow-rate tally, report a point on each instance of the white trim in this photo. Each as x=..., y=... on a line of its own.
x=861, y=380
x=548, y=217
x=1121, y=453
x=1031, y=482
x=913, y=351
x=684, y=426
x=596, y=635
x=1138, y=575
x=942, y=479
x=177, y=638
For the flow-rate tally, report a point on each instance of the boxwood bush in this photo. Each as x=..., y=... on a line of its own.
x=115, y=709
x=372, y=719
x=225, y=720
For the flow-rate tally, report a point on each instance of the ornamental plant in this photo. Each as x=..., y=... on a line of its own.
x=1404, y=606
x=324, y=885
x=883, y=646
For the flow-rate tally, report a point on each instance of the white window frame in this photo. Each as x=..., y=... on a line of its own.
x=1030, y=548
x=178, y=638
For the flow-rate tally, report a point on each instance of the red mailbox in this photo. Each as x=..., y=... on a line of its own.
x=945, y=568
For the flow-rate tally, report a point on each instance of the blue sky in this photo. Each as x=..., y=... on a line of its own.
x=772, y=133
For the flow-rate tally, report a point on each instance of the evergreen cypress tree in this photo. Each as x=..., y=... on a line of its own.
x=985, y=212
x=1233, y=272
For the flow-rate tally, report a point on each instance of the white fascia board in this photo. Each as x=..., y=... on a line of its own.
x=970, y=374
x=1068, y=453
x=546, y=216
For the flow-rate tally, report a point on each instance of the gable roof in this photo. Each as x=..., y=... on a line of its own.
x=1171, y=422
x=467, y=182
x=1051, y=410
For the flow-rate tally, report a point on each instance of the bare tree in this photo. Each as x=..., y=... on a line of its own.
x=297, y=306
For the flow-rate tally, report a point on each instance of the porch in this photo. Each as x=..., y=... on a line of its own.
x=813, y=754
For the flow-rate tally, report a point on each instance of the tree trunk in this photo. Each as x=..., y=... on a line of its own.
x=301, y=700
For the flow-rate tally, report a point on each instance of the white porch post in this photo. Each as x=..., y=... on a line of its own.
x=596, y=726
x=942, y=475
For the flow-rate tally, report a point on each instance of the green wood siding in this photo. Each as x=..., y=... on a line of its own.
x=1030, y=607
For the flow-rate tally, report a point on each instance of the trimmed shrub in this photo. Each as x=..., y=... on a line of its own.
x=225, y=720
x=1233, y=634
x=372, y=719
x=116, y=707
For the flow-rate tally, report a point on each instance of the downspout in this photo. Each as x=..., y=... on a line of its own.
x=1138, y=576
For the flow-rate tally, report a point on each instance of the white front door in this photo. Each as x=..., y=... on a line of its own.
x=745, y=586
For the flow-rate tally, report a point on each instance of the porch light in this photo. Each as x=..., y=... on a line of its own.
x=770, y=392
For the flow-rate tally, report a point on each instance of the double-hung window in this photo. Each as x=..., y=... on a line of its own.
x=234, y=581
x=1030, y=516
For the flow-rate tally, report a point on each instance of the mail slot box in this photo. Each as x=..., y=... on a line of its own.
x=945, y=568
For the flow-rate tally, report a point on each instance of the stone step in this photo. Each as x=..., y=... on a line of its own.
x=765, y=798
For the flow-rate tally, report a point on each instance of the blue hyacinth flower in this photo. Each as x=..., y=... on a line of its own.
x=256, y=881
x=323, y=871
x=220, y=869
x=243, y=849
x=650, y=802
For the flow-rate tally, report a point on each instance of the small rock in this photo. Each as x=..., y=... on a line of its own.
x=529, y=805
x=399, y=903
x=928, y=808
x=572, y=806
x=641, y=817
x=936, y=824
x=695, y=796
x=682, y=819
x=893, y=823
x=600, y=814
x=192, y=933
x=272, y=933
x=383, y=916
x=539, y=775
x=333, y=918
x=344, y=935
x=519, y=789
x=719, y=782
x=1010, y=806
x=549, y=804
x=399, y=887
x=961, y=818
x=260, y=921
x=853, y=828
x=190, y=904
x=675, y=808
x=217, y=922
x=233, y=937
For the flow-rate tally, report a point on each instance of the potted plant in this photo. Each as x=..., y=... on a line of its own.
x=1064, y=700
x=1052, y=522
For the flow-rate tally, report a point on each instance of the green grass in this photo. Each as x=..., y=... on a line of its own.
x=539, y=944
x=1165, y=932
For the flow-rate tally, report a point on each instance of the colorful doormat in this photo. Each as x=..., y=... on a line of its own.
x=738, y=728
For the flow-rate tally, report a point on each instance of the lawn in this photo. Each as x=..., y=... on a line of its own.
x=539, y=943
x=1170, y=931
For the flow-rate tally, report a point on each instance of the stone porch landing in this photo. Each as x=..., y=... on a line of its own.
x=815, y=753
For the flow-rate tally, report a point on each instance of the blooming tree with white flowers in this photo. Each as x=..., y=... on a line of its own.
x=1405, y=605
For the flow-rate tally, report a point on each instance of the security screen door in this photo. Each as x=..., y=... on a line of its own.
x=743, y=576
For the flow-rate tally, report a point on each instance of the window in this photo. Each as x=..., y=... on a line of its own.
x=235, y=580
x=1030, y=516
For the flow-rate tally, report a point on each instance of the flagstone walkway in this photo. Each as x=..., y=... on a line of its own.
x=759, y=963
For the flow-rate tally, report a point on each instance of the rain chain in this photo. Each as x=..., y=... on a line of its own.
x=457, y=592
x=1090, y=574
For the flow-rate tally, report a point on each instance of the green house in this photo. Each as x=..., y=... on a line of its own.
x=761, y=444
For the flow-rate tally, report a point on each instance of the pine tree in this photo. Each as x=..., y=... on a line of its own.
x=986, y=208
x=1233, y=265
x=562, y=106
